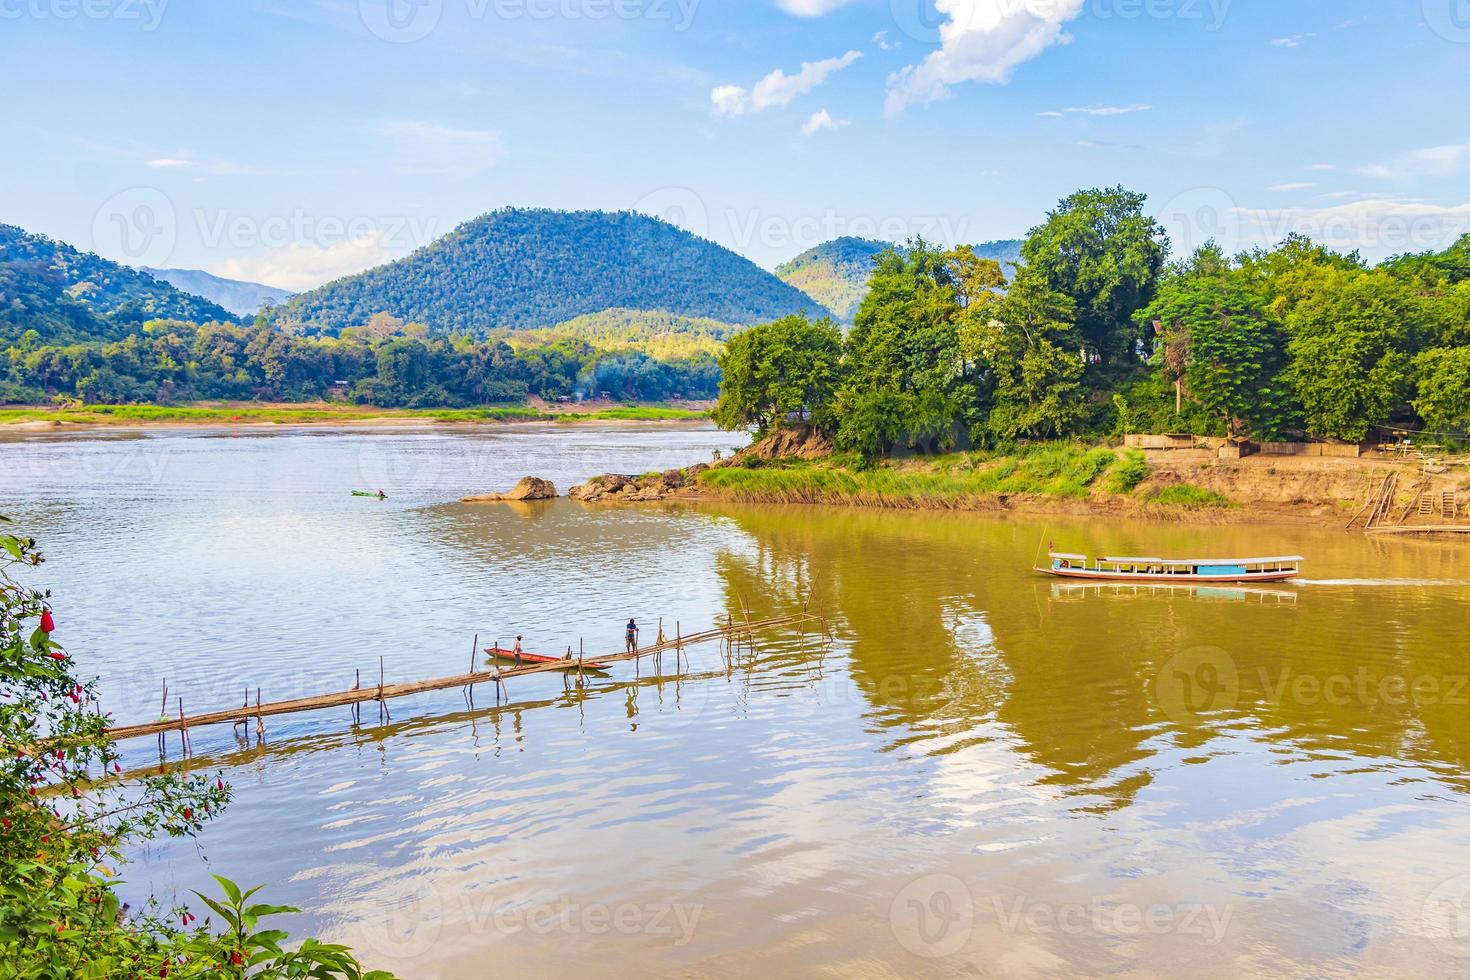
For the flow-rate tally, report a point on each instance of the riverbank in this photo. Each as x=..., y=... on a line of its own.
x=1191, y=485
x=1177, y=485
x=45, y=418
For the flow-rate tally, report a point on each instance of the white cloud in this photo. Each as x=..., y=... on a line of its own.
x=777, y=88
x=169, y=164
x=302, y=266
x=1100, y=110
x=981, y=41
x=431, y=149
x=1376, y=225
x=1432, y=161
x=822, y=120
x=881, y=39
x=1321, y=166
x=1291, y=187
x=1292, y=40
x=811, y=8
x=729, y=100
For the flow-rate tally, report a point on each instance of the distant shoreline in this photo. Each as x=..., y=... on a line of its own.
x=265, y=416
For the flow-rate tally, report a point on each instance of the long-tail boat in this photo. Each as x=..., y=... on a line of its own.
x=500, y=653
x=1173, y=570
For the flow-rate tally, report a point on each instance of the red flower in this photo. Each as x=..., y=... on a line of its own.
x=188, y=813
x=57, y=656
x=48, y=625
x=236, y=959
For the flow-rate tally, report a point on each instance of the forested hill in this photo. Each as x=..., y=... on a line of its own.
x=523, y=269
x=836, y=273
x=68, y=296
x=243, y=298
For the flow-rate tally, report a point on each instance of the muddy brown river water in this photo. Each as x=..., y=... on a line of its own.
x=980, y=772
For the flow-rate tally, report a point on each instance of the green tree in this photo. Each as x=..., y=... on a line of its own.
x=904, y=360
x=1220, y=345
x=1444, y=388
x=1028, y=348
x=775, y=369
x=1352, y=340
x=1101, y=249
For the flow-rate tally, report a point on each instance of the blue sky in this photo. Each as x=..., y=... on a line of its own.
x=292, y=141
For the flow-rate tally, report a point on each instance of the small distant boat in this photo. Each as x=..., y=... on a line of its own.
x=370, y=493
x=1173, y=570
x=500, y=653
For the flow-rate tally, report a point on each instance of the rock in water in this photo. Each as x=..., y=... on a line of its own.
x=530, y=488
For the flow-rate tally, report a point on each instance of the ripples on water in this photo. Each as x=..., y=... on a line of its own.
x=981, y=770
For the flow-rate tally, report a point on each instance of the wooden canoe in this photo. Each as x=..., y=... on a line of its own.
x=500, y=653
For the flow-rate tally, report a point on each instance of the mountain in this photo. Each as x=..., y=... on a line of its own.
x=835, y=273
x=523, y=269
x=243, y=298
x=69, y=296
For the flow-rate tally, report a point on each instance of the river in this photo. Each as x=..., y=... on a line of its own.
x=980, y=771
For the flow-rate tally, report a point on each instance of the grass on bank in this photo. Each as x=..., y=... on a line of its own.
x=1059, y=471
x=289, y=415
x=1189, y=496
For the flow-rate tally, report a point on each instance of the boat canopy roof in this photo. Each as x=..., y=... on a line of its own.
x=1180, y=562
x=1288, y=560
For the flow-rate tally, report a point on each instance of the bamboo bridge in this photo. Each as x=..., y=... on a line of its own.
x=383, y=692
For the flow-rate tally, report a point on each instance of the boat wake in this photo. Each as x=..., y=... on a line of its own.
x=1388, y=583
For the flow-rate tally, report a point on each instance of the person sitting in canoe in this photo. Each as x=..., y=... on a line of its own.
x=632, y=636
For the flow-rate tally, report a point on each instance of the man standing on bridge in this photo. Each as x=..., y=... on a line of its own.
x=632, y=636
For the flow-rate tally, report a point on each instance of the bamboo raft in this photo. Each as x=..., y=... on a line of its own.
x=384, y=692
